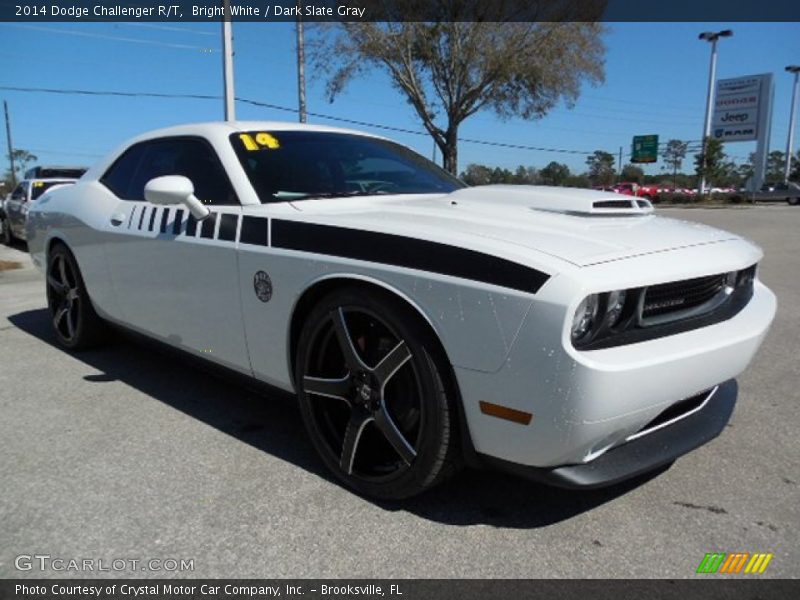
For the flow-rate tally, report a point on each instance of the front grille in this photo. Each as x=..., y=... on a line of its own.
x=684, y=295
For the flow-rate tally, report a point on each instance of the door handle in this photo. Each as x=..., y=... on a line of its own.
x=117, y=219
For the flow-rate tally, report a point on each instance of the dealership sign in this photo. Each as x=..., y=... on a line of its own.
x=738, y=107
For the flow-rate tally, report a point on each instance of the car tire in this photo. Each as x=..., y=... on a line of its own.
x=5, y=235
x=76, y=324
x=372, y=395
x=794, y=201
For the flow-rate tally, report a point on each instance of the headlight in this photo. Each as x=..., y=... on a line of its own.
x=596, y=313
x=614, y=306
x=585, y=317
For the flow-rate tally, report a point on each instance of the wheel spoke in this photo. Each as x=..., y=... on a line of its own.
x=391, y=363
x=58, y=287
x=351, y=358
x=62, y=310
x=330, y=388
x=71, y=322
x=62, y=271
x=352, y=435
x=387, y=427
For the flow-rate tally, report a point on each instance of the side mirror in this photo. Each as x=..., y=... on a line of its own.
x=175, y=189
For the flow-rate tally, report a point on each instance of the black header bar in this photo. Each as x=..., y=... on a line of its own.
x=734, y=587
x=726, y=11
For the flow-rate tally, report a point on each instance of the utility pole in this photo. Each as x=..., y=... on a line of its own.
x=10, y=146
x=301, y=64
x=619, y=166
x=227, y=61
x=712, y=37
x=790, y=139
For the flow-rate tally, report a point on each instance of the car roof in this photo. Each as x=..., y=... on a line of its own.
x=228, y=127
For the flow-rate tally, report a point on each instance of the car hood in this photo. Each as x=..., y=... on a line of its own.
x=559, y=222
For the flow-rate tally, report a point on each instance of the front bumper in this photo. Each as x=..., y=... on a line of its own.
x=583, y=404
x=639, y=456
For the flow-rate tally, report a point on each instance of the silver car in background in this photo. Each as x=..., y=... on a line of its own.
x=15, y=208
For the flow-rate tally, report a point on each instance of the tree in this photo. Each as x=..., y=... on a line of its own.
x=632, y=173
x=577, y=181
x=476, y=175
x=462, y=61
x=794, y=173
x=710, y=163
x=22, y=158
x=554, y=174
x=483, y=175
x=526, y=175
x=601, y=168
x=674, y=154
x=776, y=165
x=730, y=174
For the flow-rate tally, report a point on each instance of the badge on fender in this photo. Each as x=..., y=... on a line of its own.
x=263, y=286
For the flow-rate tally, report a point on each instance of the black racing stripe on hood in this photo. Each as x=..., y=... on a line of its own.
x=407, y=252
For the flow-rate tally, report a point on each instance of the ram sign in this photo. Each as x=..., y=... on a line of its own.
x=737, y=107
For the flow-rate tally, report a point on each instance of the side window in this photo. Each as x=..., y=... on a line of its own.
x=119, y=175
x=190, y=157
x=19, y=192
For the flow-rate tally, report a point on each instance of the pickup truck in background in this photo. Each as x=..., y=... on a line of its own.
x=629, y=188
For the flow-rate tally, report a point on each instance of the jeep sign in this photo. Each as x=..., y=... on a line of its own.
x=737, y=107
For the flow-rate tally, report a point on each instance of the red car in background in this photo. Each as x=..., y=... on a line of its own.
x=634, y=189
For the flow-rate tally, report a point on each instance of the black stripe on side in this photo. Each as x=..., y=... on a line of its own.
x=207, y=226
x=191, y=225
x=178, y=222
x=141, y=217
x=407, y=252
x=227, y=227
x=130, y=218
x=254, y=231
x=164, y=217
x=152, y=218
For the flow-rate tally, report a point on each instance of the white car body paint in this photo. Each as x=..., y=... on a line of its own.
x=506, y=346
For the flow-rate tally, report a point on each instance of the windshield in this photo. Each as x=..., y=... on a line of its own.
x=300, y=165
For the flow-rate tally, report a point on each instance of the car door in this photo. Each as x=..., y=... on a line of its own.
x=15, y=208
x=175, y=278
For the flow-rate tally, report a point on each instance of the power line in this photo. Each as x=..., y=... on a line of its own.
x=114, y=38
x=284, y=109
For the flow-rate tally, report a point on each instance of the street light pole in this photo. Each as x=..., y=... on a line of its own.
x=301, y=65
x=227, y=62
x=712, y=75
x=790, y=139
x=10, y=146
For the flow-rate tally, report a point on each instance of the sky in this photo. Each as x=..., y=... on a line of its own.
x=656, y=82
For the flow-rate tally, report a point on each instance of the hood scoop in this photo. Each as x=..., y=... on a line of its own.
x=570, y=201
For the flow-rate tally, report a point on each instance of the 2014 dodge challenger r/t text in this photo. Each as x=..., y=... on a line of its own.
x=568, y=335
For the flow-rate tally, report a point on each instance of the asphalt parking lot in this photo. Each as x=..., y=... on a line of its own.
x=126, y=453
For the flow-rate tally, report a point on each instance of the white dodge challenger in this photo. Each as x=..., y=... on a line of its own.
x=567, y=335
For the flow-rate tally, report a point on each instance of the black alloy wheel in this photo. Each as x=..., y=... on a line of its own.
x=372, y=395
x=75, y=322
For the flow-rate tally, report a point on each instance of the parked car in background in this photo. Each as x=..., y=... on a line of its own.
x=777, y=192
x=15, y=209
x=53, y=172
x=634, y=189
